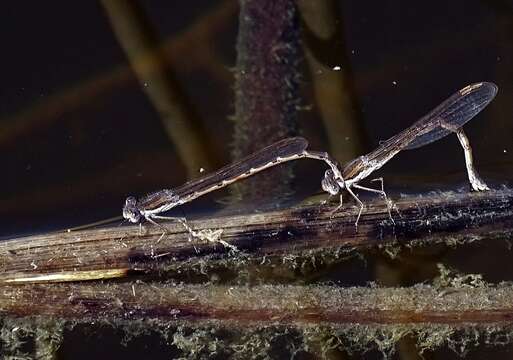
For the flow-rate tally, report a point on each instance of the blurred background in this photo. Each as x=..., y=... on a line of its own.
x=81, y=128
x=104, y=99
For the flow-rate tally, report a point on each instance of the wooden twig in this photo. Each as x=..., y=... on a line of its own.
x=262, y=305
x=449, y=218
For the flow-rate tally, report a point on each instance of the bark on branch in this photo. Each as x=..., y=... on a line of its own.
x=262, y=305
x=450, y=218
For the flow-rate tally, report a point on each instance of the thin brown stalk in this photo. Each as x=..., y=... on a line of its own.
x=262, y=305
x=266, y=87
x=331, y=76
x=147, y=57
x=192, y=45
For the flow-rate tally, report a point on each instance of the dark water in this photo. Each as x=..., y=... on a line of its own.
x=78, y=133
x=70, y=156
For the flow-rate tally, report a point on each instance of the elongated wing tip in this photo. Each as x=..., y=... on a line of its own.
x=457, y=110
x=494, y=88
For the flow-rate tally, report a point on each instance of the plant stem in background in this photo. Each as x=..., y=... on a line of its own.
x=331, y=76
x=188, y=50
x=266, y=87
x=145, y=53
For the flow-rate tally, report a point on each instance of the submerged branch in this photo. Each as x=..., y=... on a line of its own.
x=262, y=305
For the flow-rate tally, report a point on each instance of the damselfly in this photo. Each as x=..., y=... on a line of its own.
x=446, y=118
x=150, y=206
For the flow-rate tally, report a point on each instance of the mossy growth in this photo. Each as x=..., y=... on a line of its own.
x=41, y=338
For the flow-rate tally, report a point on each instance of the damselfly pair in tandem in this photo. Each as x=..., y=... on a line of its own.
x=446, y=118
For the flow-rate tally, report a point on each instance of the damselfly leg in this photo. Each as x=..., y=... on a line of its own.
x=209, y=235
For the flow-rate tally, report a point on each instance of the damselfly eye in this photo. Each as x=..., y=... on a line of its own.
x=130, y=201
x=130, y=210
x=329, y=184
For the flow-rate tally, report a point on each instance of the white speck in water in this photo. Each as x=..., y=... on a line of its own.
x=394, y=82
x=352, y=52
x=347, y=138
x=145, y=84
x=498, y=58
x=201, y=170
x=336, y=68
x=504, y=151
x=319, y=72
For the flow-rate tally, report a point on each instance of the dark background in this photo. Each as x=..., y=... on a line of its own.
x=76, y=163
x=76, y=138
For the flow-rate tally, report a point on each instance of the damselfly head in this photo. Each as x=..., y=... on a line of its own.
x=329, y=183
x=130, y=210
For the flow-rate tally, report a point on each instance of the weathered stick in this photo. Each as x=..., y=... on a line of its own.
x=118, y=251
x=262, y=305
